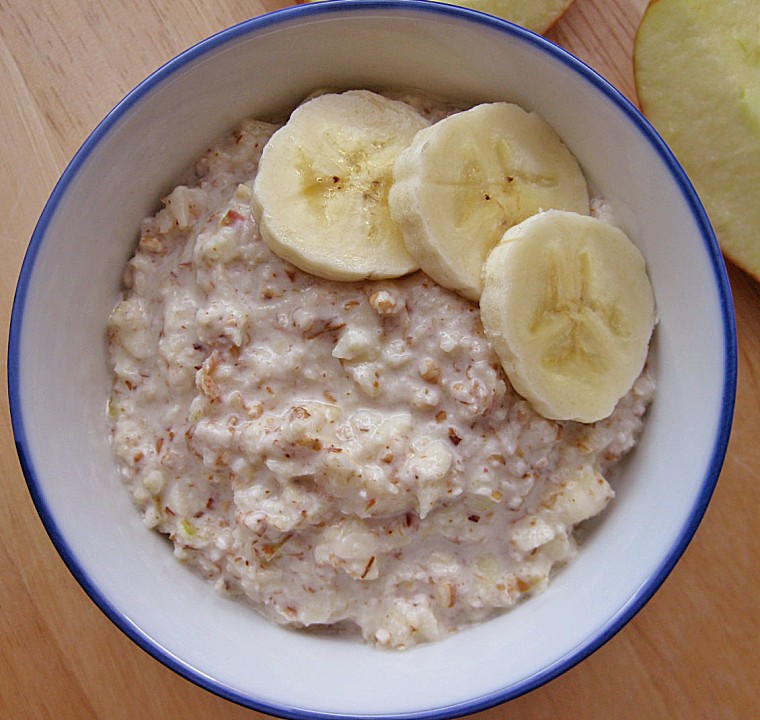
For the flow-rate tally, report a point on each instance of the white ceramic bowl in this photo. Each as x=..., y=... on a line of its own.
x=58, y=373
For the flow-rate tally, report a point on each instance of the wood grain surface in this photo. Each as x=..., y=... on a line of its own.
x=692, y=652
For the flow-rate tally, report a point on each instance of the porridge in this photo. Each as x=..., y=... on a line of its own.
x=345, y=454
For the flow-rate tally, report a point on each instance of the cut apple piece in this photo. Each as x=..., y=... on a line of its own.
x=697, y=73
x=535, y=15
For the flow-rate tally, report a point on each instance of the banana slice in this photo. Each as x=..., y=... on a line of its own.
x=468, y=178
x=321, y=191
x=569, y=309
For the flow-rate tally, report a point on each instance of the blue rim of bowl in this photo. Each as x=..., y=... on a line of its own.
x=644, y=593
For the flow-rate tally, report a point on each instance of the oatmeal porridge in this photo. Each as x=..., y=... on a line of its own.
x=345, y=454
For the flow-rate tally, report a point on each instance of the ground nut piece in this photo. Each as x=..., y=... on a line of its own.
x=156, y=244
x=425, y=397
x=204, y=378
x=385, y=302
x=429, y=371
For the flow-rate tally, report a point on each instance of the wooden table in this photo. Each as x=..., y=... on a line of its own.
x=690, y=653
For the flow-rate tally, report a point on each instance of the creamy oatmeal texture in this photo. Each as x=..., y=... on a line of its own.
x=344, y=454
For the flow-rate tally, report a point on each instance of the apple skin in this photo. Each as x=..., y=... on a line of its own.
x=697, y=75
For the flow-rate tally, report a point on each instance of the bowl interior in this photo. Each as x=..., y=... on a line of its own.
x=59, y=374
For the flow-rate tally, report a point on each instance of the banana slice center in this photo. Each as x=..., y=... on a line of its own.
x=352, y=184
x=488, y=191
x=574, y=318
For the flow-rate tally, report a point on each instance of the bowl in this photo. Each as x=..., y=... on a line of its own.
x=70, y=280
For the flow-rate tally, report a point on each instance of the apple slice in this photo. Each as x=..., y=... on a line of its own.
x=536, y=15
x=697, y=73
